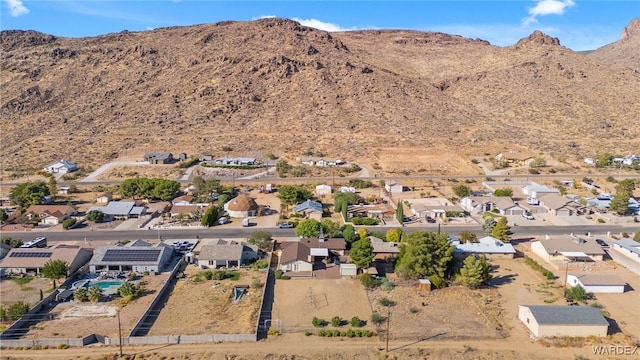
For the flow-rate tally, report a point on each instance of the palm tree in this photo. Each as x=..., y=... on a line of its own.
x=94, y=293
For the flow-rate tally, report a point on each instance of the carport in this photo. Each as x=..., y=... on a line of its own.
x=348, y=270
x=576, y=256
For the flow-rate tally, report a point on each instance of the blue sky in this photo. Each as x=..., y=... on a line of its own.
x=580, y=25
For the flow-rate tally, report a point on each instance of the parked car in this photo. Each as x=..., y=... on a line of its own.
x=285, y=226
x=223, y=220
x=527, y=216
x=602, y=243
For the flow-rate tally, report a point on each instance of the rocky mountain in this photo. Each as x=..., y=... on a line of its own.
x=273, y=85
x=624, y=52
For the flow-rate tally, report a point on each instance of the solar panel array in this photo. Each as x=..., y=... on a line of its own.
x=31, y=254
x=128, y=255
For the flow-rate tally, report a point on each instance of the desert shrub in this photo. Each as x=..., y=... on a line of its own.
x=369, y=282
x=414, y=310
x=322, y=333
x=68, y=223
x=273, y=332
x=278, y=274
x=356, y=322
x=207, y=274
x=600, y=221
x=539, y=268
x=377, y=318
x=260, y=264
x=386, y=302
x=145, y=273
x=197, y=279
x=385, y=284
x=317, y=322
x=308, y=333
x=624, y=235
x=336, y=333
x=336, y=321
x=62, y=346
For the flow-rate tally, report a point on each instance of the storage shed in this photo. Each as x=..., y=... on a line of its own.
x=348, y=270
x=424, y=285
x=554, y=320
x=597, y=283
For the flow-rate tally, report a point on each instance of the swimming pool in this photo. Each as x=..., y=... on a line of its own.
x=102, y=284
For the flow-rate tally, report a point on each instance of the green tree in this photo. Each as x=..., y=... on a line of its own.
x=16, y=310
x=502, y=230
x=636, y=237
x=95, y=216
x=400, y=212
x=210, y=216
x=164, y=189
x=29, y=193
x=330, y=228
x=537, y=163
x=94, y=293
x=348, y=197
x=624, y=191
x=475, y=271
x=504, y=192
x=604, y=160
x=52, y=185
x=308, y=228
x=128, y=289
x=153, y=189
x=362, y=253
x=13, y=242
x=363, y=232
x=262, y=239
x=282, y=168
x=55, y=269
x=349, y=235
x=81, y=294
x=461, y=190
x=489, y=224
x=394, y=235
x=3, y=216
x=467, y=236
x=424, y=253
x=576, y=293
x=206, y=187
x=291, y=194
x=67, y=223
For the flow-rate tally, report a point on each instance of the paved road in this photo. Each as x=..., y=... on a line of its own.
x=79, y=234
x=396, y=178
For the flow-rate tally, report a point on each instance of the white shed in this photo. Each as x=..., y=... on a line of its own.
x=597, y=283
x=393, y=187
x=323, y=190
x=348, y=270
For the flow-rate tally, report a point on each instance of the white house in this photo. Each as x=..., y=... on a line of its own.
x=597, y=283
x=61, y=167
x=488, y=246
x=137, y=255
x=295, y=257
x=393, y=187
x=589, y=161
x=554, y=320
x=563, y=248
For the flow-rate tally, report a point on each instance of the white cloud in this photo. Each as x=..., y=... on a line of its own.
x=546, y=7
x=16, y=8
x=264, y=17
x=320, y=25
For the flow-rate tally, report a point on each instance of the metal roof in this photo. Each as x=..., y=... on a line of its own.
x=567, y=315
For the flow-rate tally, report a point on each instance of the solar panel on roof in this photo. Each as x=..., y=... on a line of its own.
x=128, y=255
x=31, y=254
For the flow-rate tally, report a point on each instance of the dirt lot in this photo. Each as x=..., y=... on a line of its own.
x=170, y=171
x=11, y=291
x=202, y=308
x=432, y=161
x=450, y=313
x=294, y=308
x=108, y=326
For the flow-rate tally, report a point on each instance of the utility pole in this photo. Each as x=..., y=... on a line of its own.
x=119, y=333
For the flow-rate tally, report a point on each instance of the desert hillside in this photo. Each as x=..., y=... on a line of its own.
x=273, y=85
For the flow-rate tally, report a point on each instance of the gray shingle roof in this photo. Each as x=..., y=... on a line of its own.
x=567, y=315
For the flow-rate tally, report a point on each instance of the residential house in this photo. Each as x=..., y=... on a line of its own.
x=560, y=206
x=597, y=284
x=63, y=190
x=323, y=190
x=61, y=167
x=535, y=191
x=378, y=211
x=320, y=162
x=558, y=320
x=205, y=157
x=590, y=161
x=158, y=157
x=310, y=209
x=184, y=200
x=32, y=260
x=50, y=214
x=629, y=248
x=427, y=211
x=478, y=204
x=242, y=206
x=515, y=158
x=138, y=256
x=104, y=198
x=295, y=257
x=561, y=249
x=186, y=211
x=223, y=253
x=488, y=246
x=235, y=161
x=120, y=210
x=336, y=246
x=383, y=250
x=393, y=187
